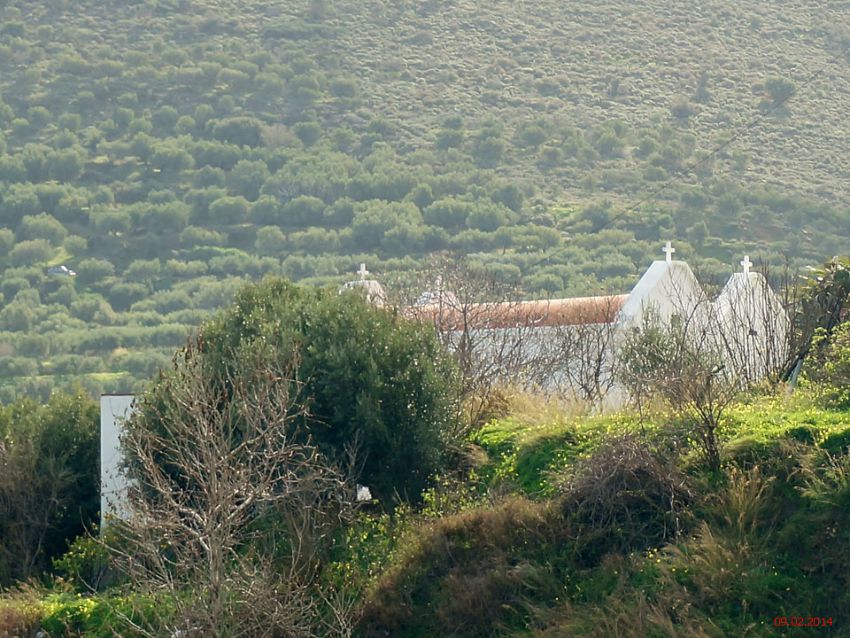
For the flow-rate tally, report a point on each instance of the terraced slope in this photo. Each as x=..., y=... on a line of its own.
x=586, y=63
x=168, y=150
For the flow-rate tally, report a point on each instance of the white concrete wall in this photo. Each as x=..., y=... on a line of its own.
x=114, y=408
x=666, y=289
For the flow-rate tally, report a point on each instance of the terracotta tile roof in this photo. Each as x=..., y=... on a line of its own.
x=552, y=312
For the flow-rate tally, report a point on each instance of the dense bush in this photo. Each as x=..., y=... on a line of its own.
x=441, y=584
x=830, y=369
x=375, y=384
x=49, y=487
x=625, y=497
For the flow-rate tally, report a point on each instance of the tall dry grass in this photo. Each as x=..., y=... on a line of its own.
x=21, y=610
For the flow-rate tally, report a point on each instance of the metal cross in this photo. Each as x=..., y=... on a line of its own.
x=669, y=250
x=746, y=264
x=362, y=272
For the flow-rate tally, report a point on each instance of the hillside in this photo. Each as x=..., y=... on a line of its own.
x=592, y=549
x=585, y=64
x=167, y=150
x=570, y=526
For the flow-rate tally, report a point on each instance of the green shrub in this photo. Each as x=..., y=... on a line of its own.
x=395, y=406
x=470, y=574
x=270, y=241
x=85, y=564
x=808, y=434
x=7, y=240
x=682, y=108
x=105, y=616
x=831, y=366
x=266, y=210
x=42, y=226
x=837, y=443
x=243, y=131
x=30, y=252
x=247, y=177
x=229, y=210
x=50, y=481
x=304, y=210
x=779, y=89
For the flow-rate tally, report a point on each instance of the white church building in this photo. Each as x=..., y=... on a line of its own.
x=571, y=345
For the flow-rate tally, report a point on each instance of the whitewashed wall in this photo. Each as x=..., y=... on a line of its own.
x=754, y=326
x=114, y=408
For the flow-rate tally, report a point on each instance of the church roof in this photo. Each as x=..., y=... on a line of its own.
x=741, y=282
x=520, y=314
x=669, y=283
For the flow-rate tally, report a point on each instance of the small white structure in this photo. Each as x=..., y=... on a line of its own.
x=61, y=271
x=371, y=287
x=437, y=296
x=363, y=494
x=753, y=324
x=114, y=409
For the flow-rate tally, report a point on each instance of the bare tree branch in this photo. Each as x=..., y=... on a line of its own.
x=231, y=508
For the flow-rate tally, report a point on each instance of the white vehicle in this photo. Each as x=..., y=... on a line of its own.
x=61, y=271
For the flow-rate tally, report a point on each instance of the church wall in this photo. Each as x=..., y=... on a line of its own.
x=745, y=329
x=754, y=326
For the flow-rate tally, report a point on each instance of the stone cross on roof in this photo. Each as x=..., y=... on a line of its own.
x=746, y=263
x=669, y=250
x=362, y=272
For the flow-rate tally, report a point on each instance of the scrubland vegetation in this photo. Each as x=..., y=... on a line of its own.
x=167, y=151
x=574, y=526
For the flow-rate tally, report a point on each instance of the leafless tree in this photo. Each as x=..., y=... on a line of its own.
x=682, y=364
x=706, y=352
x=552, y=346
x=487, y=327
x=231, y=508
x=581, y=358
x=702, y=353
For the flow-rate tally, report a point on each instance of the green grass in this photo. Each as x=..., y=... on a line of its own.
x=769, y=418
x=60, y=257
x=767, y=538
x=528, y=453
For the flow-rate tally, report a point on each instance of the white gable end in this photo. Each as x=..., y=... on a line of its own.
x=667, y=289
x=754, y=325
